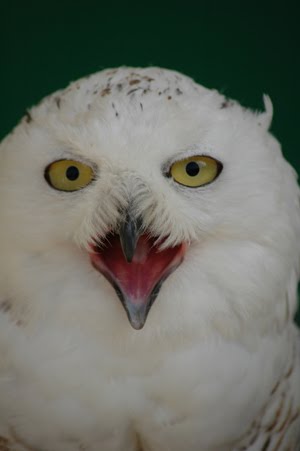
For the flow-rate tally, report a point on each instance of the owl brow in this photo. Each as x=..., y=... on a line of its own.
x=69, y=155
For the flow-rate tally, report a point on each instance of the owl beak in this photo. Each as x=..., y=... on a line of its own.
x=130, y=231
x=136, y=267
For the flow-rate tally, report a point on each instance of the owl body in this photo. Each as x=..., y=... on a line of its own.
x=216, y=365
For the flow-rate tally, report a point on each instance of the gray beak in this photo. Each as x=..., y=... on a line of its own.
x=129, y=231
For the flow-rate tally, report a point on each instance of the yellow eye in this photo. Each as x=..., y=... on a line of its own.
x=68, y=175
x=195, y=171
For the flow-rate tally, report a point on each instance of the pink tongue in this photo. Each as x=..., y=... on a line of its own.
x=149, y=267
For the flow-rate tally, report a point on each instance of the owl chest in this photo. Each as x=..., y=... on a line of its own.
x=95, y=397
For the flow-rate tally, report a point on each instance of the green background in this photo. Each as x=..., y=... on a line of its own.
x=244, y=49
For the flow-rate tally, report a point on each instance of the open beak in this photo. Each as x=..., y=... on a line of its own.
x=135, y=266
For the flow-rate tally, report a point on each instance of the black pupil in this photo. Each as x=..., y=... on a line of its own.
x=72, y=173
x=192, y=168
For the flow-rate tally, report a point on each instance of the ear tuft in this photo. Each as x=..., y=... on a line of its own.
x=265, y=118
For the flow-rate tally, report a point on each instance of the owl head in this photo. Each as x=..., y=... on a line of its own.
x=141, y=185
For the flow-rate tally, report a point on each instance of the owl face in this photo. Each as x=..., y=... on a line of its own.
x=157, y=182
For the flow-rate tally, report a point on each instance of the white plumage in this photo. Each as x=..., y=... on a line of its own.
x=216, y=366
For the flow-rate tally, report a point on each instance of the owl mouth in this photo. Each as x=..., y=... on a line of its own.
x=136, y=268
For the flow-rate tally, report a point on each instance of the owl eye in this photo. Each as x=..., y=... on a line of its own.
x=195, y=171
x=68, y=175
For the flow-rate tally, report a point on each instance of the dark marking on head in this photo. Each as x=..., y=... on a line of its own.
x=134, y=82
x=178, y=92
x=133, y=90
x=106, y=91
x=148, y=78
x=116, y=112
x=266, y=444
x=119, y=87
x=226, y=103
x=169, y=97
x=5, y=444
x=275, y=387
x=96, y=91
x=138, y=445
x=28, y=117
x=5, y=306
x=159, y=93
x=145, y=91
x=57, y=101
x=141, y=105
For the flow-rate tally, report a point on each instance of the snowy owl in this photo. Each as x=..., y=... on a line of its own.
x=150, y=247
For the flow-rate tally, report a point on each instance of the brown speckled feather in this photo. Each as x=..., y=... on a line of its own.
x=271, y=430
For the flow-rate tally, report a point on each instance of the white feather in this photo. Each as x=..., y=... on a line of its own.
x=220, y=336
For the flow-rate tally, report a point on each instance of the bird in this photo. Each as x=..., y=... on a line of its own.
x=150, y=255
